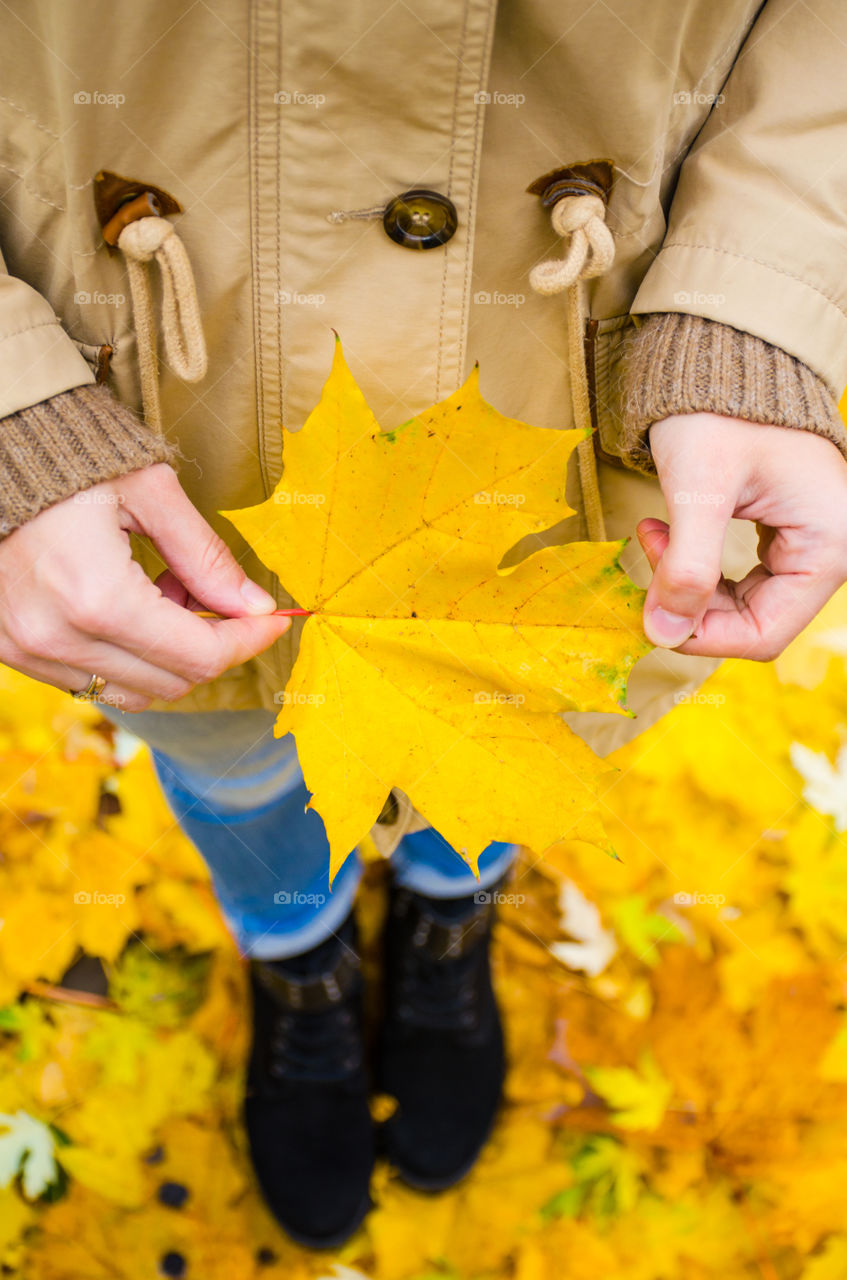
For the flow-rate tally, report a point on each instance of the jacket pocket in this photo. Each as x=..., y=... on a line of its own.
x=31, y=151
x=605, y=345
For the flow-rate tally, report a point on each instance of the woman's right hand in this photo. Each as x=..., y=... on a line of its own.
x=74, y=603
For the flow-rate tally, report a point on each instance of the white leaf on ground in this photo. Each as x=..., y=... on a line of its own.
x=27, y=1148
x=826, y=784
x=595, y=946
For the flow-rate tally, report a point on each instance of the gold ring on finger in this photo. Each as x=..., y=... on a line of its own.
x=92, y=690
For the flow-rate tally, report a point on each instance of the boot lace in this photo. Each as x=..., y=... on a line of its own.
x=315, y=1046
x=440, y=994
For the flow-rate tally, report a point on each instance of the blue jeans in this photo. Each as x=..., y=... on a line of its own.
x=238, y=794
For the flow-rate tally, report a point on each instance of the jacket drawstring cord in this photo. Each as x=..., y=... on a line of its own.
x=143, y=241
x=590, y=251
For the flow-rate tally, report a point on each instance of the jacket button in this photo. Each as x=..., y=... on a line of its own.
x=420, y=219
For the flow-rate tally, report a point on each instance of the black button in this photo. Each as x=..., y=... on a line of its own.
x=420, y=219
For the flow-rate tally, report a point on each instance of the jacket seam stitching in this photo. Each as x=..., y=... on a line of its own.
x=759, y=262
x=41, y=324
x=478, y=133
x=446, y=268
x=281, y=316
x=29, y=116
x=254, y=239
x=35, y=194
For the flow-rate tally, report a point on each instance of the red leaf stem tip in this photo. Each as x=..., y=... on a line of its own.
x=277, y=613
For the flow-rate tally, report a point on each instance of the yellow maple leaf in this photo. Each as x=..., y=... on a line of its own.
x=426, y=664
x=112, y=1175
x=36, y=937
x=640, y=1098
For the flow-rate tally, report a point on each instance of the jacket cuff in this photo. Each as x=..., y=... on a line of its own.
x=677, y=363
x=67, y=443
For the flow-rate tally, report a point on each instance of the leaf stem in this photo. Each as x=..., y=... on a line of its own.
x=277, y=613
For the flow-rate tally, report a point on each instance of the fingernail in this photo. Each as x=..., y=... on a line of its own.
x=667, y=629
x=258, y=601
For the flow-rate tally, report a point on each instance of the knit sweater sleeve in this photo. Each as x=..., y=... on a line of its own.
x=678, y=363
x=68, y=443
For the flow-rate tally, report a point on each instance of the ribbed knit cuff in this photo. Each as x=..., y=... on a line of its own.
x=679, y=363
x=67, y=443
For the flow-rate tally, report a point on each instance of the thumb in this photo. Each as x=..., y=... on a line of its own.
x=192, y=550
x=688, y=571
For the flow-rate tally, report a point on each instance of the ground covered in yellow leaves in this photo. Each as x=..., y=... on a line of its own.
x=677, y=1021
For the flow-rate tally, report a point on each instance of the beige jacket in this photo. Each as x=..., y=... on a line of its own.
x=724, y=122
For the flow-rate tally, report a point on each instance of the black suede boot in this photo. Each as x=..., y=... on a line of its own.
x=441, y=1049
x=306, y=1109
